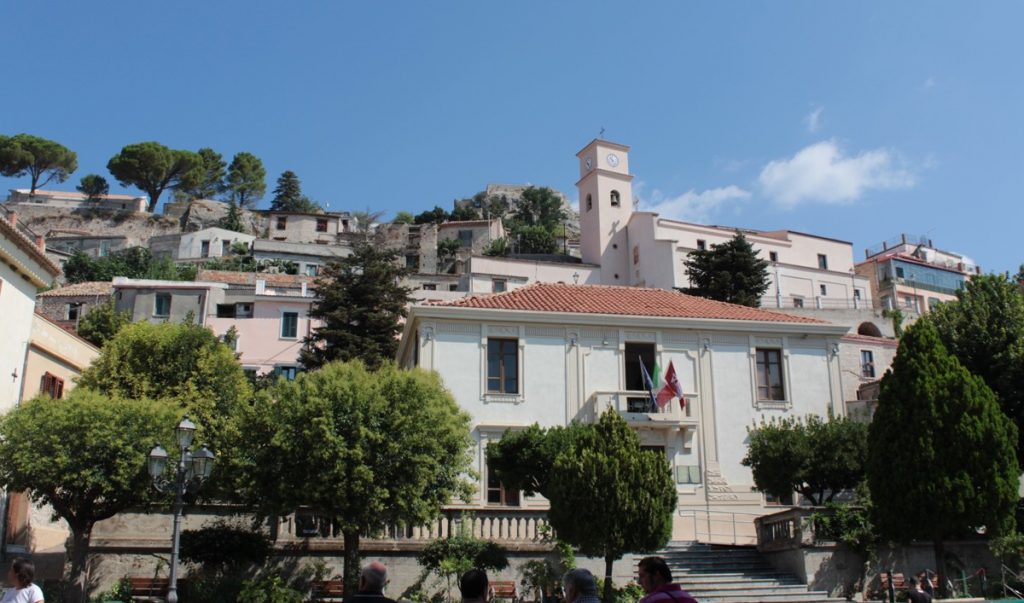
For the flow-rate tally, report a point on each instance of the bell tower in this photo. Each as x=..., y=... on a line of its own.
x=606, y=202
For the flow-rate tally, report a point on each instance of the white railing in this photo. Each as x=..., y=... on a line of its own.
x=636, y=407
x=720, y=527
x=500, y=525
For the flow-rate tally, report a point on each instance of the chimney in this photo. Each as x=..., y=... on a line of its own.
x=41, y=243
x=12, y=217
x=261, y=286
x=303, y=289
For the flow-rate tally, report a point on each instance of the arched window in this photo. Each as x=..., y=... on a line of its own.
x=870, y=329
x=615, y=198
x=590, y=202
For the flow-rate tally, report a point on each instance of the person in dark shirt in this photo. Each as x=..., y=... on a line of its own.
x=915, y=594
x=372, y=581
x=473, y=586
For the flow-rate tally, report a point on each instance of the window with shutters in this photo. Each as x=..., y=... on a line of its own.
x=52, y=385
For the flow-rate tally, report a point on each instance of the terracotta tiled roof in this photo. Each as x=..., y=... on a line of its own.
x=870, y=340
x=86, y=288
x=628, y=301
x=249, y=278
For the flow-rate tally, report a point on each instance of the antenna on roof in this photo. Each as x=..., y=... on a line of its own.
x=601, y=133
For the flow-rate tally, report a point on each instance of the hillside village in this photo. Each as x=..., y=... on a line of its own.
x=571, y=326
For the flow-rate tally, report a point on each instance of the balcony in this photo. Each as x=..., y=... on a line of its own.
x=635, y=408
x=905, y=282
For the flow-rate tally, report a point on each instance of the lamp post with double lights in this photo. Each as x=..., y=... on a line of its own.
x=193, y=469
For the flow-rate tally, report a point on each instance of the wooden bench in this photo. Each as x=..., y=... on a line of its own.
x=149, y=589
x=504, y=589
x=899, y=583
x=328, y=590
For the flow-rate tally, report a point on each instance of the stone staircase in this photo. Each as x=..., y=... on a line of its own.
x=734, y=574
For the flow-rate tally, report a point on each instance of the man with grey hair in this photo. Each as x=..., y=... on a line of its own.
x=372, y=580
x=580, y=586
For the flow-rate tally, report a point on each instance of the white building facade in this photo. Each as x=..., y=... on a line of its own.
x=553, y=354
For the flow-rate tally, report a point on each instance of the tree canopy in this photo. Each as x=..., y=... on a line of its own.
x=185, y=363
x=539, y=206
x=984, y=330
x=365, y=449
x=438, y=215
x=102, y=323
x=730, y=272
x=233, y=219
x=246, y=181
x=288, y=195
x=153, y=168
x=594, y=475
x=206, y=180
x=464, y=212
x=42, y=160
x=85, y=456
x=94, y=187
x=403, y=217
x=361, y=303
x=133, y=262
x=816, y=457
x=941, y=460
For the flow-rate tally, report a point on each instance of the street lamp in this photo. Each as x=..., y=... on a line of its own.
x=192, y=470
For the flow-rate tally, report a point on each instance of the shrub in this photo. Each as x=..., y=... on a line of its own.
x=222, y=546
x=268, y=589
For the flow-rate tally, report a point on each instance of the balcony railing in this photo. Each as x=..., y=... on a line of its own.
x=889, y=282
x=636, y=408
x=818, y=302
x=510, y=526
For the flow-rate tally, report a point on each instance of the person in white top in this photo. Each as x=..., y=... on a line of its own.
x=21, y=575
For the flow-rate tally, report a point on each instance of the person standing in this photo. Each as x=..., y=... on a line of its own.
x=915, y=594
x=656, y=580
x=580, y=586
x=21, y=574
x=372, y=580
x=473, y=586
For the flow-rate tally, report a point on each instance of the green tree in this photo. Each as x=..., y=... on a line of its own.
x=455, y=555
x=497, y=247
x=42, y=160
x=730, y=272
x=102, y=323
x=206, y=180
x=94, y=187
x=816, y=457
x=594, y=475
x=403, y=217
x=534, y=238
x=434, y=216
x=288, y=195
x=464, y=212
x=448, y=248
x=362, y=304
x=133, y=262
x=366, y=449
x=233, y=219
x=539, y=206
x=152, y=167
x=246, y=181
x=185, y=363
x=941, y=458
x=613, y=484
x=984, y=330
x=85, y=456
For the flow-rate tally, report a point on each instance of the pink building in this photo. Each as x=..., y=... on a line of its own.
x=270, y=315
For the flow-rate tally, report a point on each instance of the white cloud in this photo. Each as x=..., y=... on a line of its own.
x=693, y=206
x=822, y=173
x=813, y=120
x=930, y=82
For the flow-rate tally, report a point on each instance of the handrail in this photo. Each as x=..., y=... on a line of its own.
x=735, y=533
x=1006, y=588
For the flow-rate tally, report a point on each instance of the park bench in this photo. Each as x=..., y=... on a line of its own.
x=149, y=589
x=328, y=590
x=502, y=589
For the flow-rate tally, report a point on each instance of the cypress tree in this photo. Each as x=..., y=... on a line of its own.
x=287, y=193
x=941, y=459
x=729, y=272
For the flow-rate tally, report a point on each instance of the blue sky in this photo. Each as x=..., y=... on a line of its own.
x=854, y=120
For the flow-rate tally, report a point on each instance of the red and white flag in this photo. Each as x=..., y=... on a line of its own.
x=671, y=389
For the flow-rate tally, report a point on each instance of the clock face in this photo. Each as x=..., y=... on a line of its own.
x=590, y=162
x=613, y=160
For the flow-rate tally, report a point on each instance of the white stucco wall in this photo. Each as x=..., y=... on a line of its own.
x=17, y=302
